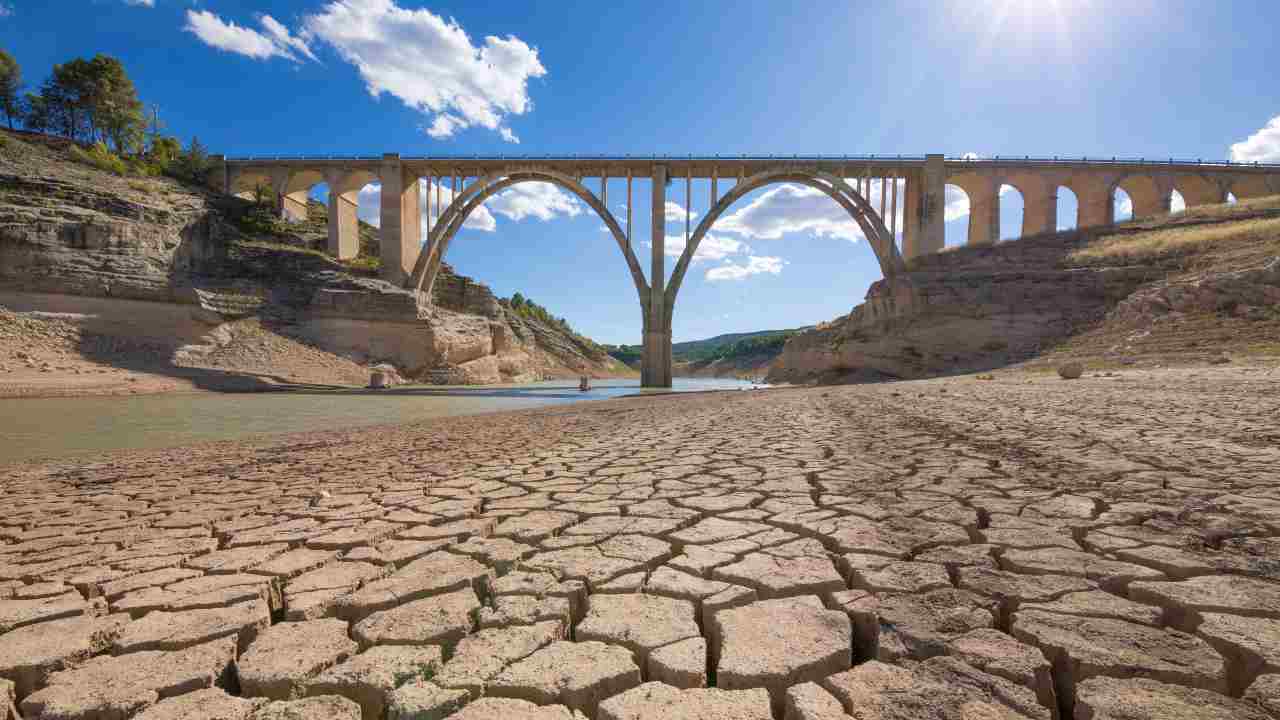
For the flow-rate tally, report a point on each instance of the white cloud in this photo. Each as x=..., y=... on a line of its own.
x=791, y=209
x=1123, y=205
x=280, y=35
x=712, y=247
x=226, y=35
x=754, y=266
x=430, y=63
x=5, y=9
x=675, y=212
x=971, y=156
x=541, y=201
x=957, y=204
x=1262, y=146
x=141, y=3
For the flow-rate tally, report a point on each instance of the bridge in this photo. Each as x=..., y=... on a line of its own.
x=916, y=184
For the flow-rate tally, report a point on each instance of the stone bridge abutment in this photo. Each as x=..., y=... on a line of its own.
x=899, y=204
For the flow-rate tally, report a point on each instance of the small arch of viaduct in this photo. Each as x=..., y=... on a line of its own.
x=911, y=193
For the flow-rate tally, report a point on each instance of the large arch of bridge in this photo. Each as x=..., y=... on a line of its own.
x=471, y=198
x=859, y=209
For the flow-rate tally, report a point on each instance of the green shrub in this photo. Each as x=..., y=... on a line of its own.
x=100, y=157
x=372, y=263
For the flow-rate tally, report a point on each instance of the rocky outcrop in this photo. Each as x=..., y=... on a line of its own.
x=70, y=231
x=1253, y=293
x=77, y=239
x=960, y=311
x=1104, y=294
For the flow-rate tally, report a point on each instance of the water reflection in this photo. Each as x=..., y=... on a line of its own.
x=56, y=427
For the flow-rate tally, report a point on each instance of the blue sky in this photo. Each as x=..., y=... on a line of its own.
x=993, y=77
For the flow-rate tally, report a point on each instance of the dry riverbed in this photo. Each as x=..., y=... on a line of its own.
x=1023, y=547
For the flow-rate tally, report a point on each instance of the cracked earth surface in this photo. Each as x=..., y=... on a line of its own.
x=1104, y=548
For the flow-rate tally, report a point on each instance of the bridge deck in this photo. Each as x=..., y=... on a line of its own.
x=728, y=166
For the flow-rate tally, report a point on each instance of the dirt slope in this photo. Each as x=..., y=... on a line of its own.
x=1186, y=288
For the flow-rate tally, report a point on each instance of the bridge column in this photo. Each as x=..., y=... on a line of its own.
x=984, y=214
x=292, y=206
x=344, y=227
x=1095, y=203
x=1040, y=205
x=933, y=203
x=1150, y=201
x=400, y=238
x=911, y=215
x=655, y=357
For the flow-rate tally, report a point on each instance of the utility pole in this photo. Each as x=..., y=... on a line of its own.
x=155, y=124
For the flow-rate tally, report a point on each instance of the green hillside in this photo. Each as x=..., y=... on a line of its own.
x=727, y=346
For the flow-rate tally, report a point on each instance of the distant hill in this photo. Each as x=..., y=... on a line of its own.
x=721, y=345
x=729, y=354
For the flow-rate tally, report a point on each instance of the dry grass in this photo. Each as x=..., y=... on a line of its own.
x=1147, y=247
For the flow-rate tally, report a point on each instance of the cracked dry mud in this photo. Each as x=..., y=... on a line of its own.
x=1100, y=549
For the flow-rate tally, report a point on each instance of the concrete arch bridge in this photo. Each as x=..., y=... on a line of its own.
x=870, y=189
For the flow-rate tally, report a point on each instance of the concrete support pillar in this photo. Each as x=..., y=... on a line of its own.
x=293, y=206
x=984, y=214
x=933, y=203
x=1040, y=211
x=1147, y=205
x=655, y=359
x=911, y=215
x=1245, y=187
x=1095, y=204
x=401, y=233
x=344, y=228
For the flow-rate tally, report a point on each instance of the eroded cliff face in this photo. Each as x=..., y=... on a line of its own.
x=81, y=243
x=960, y=312
x=1176, y=289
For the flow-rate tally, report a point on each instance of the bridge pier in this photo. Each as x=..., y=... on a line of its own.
x=655, y=354
x=400, y=237
x=984, y=213
x=1095, y=204
x=1040, y=211
x=291, y=205
x=933, y=205
x=344, y=227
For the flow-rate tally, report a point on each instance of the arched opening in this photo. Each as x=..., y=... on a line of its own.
x=252, y=186
x=1122, y=205
x=737, y=248
x=473, y=196
x=1144, y=198
x=1068, y=208
x=294, y=199
x=1231, y=199
x=1012, y=212
x=858, y=208
x=1176, y=203
x=956, y=216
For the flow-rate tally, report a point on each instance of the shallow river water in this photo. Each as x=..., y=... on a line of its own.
x=57, y=427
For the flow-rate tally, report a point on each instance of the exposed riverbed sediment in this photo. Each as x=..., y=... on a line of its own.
x=1023, y=547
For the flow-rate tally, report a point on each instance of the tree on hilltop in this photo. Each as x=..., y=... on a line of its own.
x=10, y=86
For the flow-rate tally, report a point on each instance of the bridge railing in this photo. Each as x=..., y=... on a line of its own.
x=1115, y=160
x=996, y=159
